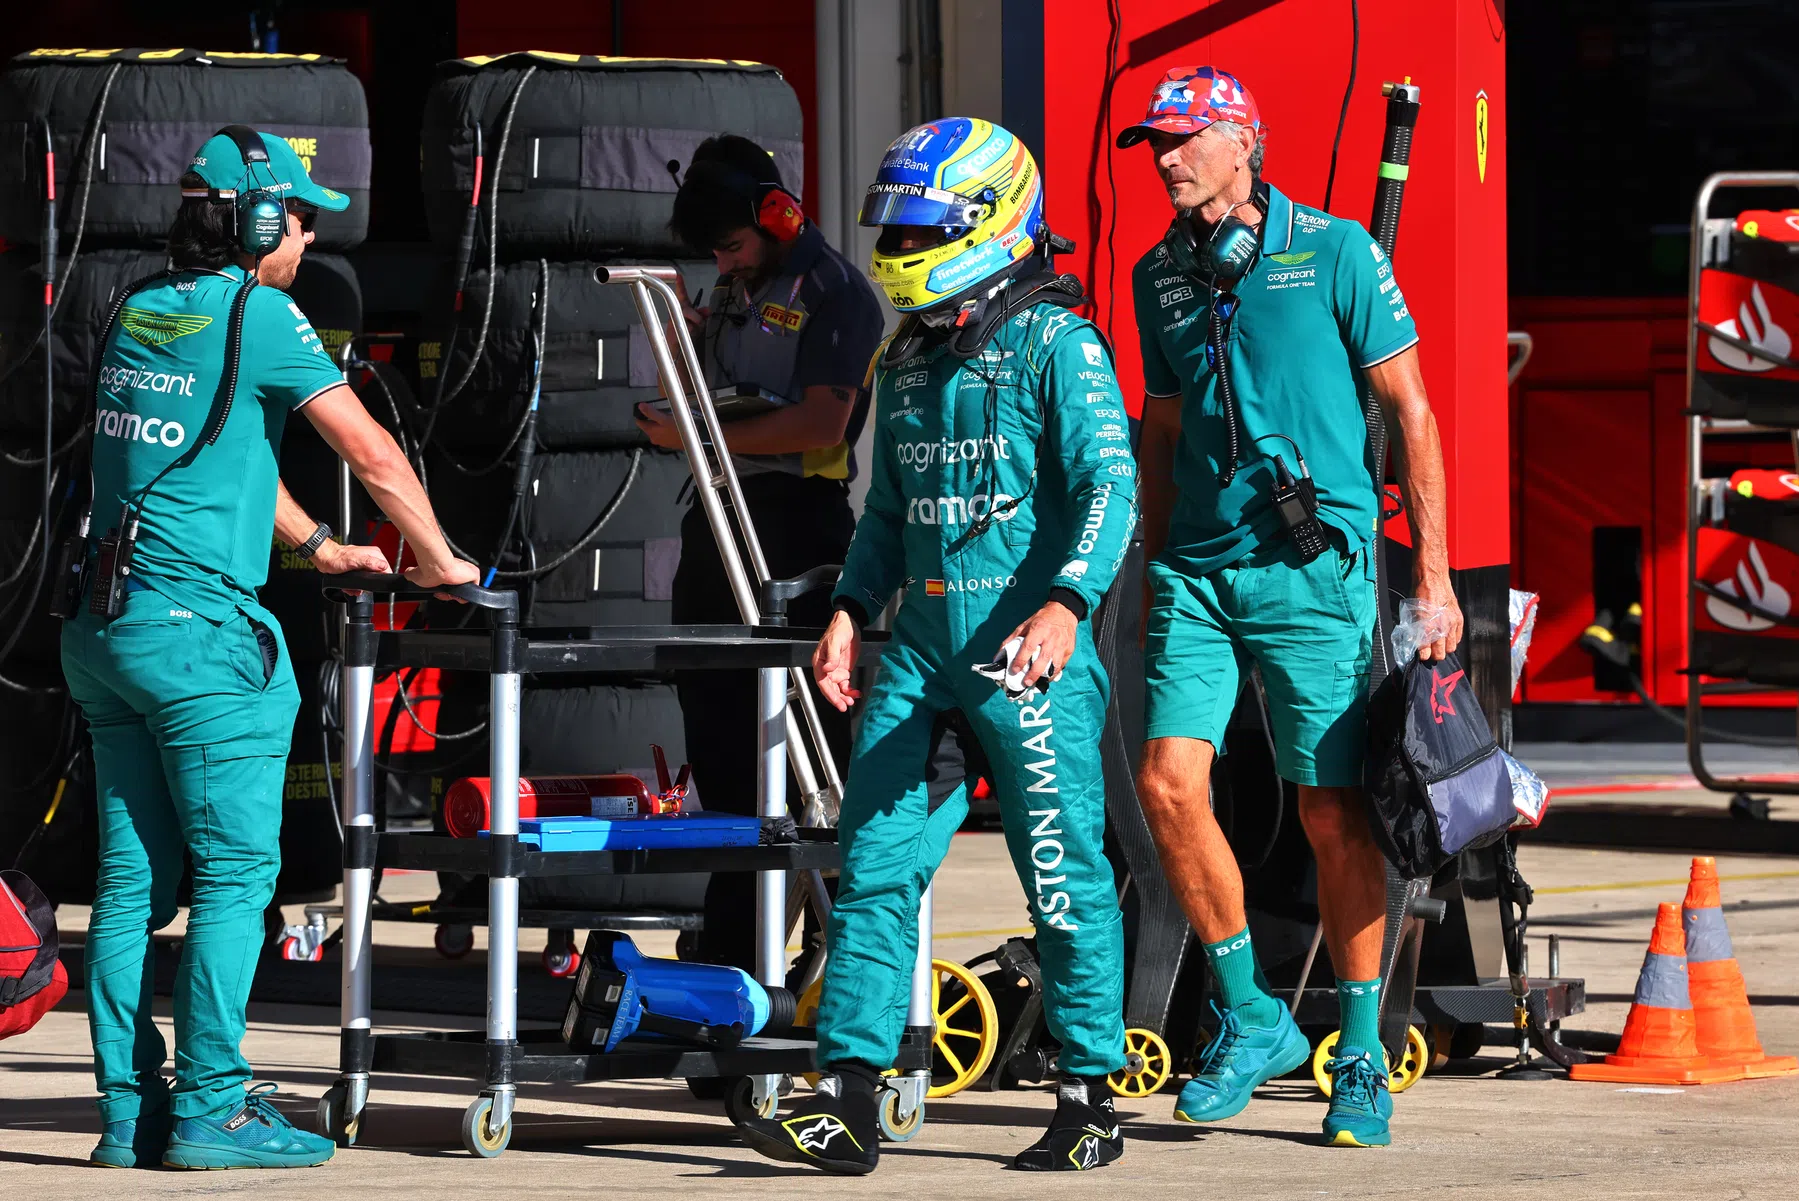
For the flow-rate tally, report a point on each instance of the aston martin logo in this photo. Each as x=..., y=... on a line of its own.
x=1293, y=260
x=159, y=329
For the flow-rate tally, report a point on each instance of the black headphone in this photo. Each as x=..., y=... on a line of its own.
x=259, y=218
x=1226, y=256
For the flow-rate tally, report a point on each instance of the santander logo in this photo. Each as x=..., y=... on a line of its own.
x=1761, y=590
x=1758, y=329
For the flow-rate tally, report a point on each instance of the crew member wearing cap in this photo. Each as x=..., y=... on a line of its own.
x=1307, y=310
x=188, y=691
x=790, y=328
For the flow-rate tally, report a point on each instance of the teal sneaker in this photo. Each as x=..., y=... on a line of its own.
x=254, y=1135
x=1238, y=1059
x=140, y=1140
x=1361, y=1104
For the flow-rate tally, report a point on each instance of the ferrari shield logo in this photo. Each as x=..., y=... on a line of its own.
x=1480, y=133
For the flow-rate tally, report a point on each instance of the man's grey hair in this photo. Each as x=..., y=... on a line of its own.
x=1255, y=155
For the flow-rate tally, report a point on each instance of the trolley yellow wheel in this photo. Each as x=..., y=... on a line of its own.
x=967, y=1027
x=1147, y=1064
x=1401, y=1076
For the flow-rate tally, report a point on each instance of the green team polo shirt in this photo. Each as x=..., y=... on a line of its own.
x=203, y=537
x=1319, y=304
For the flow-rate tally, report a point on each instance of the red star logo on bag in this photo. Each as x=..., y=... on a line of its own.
x=1440, y=688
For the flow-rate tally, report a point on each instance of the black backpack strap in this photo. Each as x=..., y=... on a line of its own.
x=14, y=989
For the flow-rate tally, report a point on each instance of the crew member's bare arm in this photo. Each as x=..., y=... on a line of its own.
x=378, y=462
x=294, y=526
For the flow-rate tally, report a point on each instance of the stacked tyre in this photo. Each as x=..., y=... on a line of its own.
x=579, y=159
x=123, y=126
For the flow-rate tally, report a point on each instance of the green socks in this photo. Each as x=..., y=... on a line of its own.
x=1240, y=979
x=1358, y=1003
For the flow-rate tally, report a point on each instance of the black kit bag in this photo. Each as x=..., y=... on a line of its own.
x=1436, y=781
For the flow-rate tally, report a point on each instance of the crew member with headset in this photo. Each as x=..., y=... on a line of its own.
x=793, y=323
x=183, y=677
x=1261, y=320
x=1002, y=502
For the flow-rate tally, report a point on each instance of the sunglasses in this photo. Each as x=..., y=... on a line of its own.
x=307, y=215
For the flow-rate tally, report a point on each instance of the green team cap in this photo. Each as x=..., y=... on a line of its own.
x=221, y=164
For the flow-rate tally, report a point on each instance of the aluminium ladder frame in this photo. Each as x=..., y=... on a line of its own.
x=1698, y=494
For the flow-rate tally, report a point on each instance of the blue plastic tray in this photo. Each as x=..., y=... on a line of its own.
x=638, y=833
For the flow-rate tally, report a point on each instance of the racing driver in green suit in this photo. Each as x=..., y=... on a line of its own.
x=1002, y=501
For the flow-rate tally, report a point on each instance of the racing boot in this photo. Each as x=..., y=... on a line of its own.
x=835, y=1130
x=138, y=1140
x=252, y=1135
x=1361, y=1105
x=1240, y=1057
x=1083, y=1134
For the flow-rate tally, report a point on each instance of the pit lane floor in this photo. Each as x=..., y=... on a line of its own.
x=1459, y=1132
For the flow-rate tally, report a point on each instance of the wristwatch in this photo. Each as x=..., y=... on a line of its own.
x=311, y=546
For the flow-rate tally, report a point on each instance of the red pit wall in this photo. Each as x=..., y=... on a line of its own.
x=1294, y=57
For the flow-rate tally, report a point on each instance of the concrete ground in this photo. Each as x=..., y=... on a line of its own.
x=1459, y=1132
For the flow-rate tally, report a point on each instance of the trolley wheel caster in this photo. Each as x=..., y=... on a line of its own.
x=1452, y=1041
x=1147, y=1064
x=335, y=1121
x=961, y=1010
x=1400, y=1076
x=892, y=1129
x=292, y=951
x=482, y=1140
x=561, y=962
x=740, y=1102
x=453, y=942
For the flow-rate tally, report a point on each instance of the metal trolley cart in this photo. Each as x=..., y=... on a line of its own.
x=500, y=1056
x=789, y=734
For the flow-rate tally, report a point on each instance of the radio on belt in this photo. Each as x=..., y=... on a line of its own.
x=1296, y=500
x=114, y=566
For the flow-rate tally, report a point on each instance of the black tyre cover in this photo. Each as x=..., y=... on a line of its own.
x=586, y=168
x=625, y=575
x=162, y=105
x=597, y=362
x=96, y=278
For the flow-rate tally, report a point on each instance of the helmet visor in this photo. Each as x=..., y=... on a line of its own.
x=915, y=204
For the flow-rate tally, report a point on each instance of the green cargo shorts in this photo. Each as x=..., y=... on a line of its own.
x=1309, y=629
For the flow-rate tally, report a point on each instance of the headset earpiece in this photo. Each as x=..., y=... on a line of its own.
x=259, y=216
x=779, y=215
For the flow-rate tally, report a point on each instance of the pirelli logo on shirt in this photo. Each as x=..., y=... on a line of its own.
x=783, y=318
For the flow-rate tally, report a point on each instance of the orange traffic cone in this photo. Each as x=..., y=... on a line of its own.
x=1725, y=1026
x=1659, y=1044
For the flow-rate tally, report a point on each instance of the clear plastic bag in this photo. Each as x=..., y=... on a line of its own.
x=1523, y=613
x=1420, y=624
x=1530, y=796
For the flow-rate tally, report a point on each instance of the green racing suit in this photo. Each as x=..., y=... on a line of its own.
x=999, y=482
